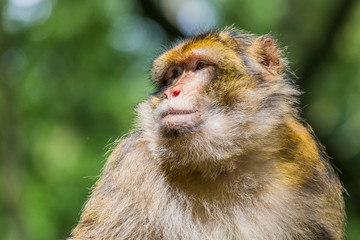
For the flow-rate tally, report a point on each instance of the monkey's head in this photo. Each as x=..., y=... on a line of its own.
x=218, y=90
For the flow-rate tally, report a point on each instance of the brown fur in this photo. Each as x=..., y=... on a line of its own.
x=251, y=169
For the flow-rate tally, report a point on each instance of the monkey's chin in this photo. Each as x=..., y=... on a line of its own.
x=181, y=122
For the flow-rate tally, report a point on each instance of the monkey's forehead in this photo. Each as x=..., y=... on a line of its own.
x=211, y=50
x=185, y=50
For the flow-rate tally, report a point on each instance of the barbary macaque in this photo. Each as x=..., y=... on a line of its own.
x=218, y=152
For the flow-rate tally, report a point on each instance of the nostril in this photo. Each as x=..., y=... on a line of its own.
x=175, y=93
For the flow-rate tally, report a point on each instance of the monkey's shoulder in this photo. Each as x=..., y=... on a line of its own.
x=304, y=158
x=127, y=169
x=127, y=152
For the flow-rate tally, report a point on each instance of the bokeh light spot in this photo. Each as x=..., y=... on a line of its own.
x=195, y=16
x=19, y=14
x=131, y=33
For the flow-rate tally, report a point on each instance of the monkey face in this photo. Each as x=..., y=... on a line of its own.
x=187, y=75
x=182, y=108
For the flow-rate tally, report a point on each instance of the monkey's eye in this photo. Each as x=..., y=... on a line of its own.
x=176, y=72
x=200, y=65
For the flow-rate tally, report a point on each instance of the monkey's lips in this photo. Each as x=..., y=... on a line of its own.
x=180, y=118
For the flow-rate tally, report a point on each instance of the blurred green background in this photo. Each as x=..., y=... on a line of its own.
x=72, y=71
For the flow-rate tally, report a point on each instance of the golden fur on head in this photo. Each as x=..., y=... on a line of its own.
x=246, y=167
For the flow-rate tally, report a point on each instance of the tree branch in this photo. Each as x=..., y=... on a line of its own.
x=152, y=11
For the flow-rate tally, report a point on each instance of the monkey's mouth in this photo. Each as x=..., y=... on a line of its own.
x=180, y=118
x=178, y=112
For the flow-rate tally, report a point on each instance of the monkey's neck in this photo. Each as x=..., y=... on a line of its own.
x=217, y=182
x=238, y=171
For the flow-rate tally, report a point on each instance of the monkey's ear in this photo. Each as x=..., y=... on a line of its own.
x=267, y=54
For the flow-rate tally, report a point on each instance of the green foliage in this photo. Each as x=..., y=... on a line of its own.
x=72, y=71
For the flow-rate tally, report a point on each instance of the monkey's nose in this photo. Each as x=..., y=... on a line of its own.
x=172, y=94
x=175, y=93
